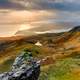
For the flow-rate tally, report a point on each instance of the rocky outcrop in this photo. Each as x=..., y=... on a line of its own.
x=22, y=71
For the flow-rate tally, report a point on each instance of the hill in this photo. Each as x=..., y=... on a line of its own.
x=60, y=52
x=65, y=42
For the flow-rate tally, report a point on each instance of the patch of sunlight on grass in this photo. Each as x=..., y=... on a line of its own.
x=66, y=69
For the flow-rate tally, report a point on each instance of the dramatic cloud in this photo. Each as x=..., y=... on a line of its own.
x=19, y=20
x=32, y=14
x=69, y=5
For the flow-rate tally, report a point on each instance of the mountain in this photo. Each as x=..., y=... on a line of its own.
x=56, y=47
x=75, y=29
x=44, y=38
x=52, y=43
x=47, y=28
x=25, y=33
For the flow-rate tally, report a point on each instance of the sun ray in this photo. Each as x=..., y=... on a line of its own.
x=24, y=27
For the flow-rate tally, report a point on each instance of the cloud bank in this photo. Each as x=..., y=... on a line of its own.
x=27, y=14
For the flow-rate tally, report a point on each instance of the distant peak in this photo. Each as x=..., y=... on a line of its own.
x=77, y=28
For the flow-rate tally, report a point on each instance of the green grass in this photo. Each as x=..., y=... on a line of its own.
x=6, y=66
x=63, y=70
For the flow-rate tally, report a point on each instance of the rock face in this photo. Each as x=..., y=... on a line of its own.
x=22, y=70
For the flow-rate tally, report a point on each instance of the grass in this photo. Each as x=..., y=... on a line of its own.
x=7, y=59
x=13, y=52
x=6, y=66
x=66, y=69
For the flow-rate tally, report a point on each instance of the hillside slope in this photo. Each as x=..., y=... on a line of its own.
x=66, y=42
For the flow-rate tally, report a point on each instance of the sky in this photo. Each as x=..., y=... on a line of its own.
x=49, y=15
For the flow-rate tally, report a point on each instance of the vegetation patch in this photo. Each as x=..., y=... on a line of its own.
x=66, y=69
